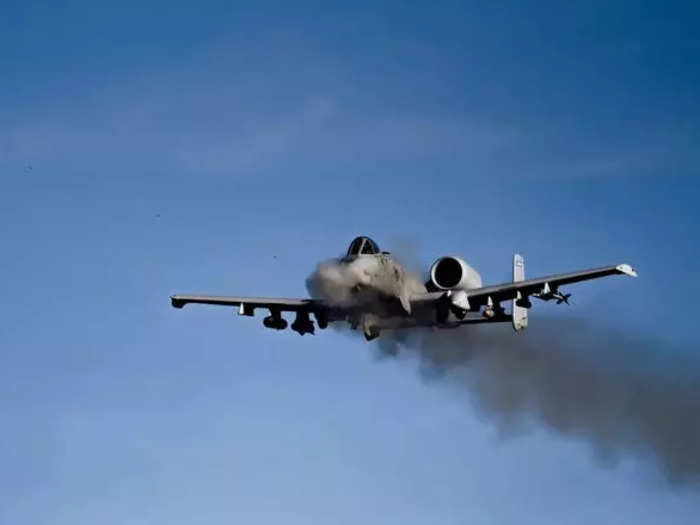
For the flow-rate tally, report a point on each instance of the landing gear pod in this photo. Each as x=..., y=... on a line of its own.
x=275, y=321
x=302, y=324
x=519, y=312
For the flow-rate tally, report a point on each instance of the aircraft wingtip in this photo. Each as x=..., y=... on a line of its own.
x=627, y=270
x=176, y=302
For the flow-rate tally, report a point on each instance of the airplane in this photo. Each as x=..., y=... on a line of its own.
x=368, y=288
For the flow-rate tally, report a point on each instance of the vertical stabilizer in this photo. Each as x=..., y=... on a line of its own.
x=519, y=312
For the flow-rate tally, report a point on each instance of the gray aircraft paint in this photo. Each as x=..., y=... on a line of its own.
x=519, y=313
x=374, y=291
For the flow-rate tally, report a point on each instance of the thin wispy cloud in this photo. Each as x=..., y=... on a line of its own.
x=218, y=119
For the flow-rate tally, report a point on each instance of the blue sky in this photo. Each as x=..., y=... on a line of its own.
x=218, y=147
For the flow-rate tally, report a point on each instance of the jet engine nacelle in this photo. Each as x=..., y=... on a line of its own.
x=449, y=273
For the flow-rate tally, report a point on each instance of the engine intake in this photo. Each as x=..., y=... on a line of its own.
x=449, y=273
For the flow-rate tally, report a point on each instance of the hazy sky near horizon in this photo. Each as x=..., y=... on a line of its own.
x=158, y=147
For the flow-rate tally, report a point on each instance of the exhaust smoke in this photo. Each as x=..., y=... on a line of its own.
x=576, y=380
x=624, y=397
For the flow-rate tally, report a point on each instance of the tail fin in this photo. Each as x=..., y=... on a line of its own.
x=519, y=312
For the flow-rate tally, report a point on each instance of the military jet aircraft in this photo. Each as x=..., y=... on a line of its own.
x=368, y=288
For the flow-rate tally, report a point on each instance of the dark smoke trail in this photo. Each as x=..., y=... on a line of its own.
x=623, y=397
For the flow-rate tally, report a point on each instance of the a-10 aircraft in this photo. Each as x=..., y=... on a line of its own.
x=368, y=288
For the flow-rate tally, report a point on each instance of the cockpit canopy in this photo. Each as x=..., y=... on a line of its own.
x=362, y=246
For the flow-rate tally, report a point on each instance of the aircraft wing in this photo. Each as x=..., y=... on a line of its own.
x=275, y=305
x=523, y=289
x=246, y=305
x=501, y=292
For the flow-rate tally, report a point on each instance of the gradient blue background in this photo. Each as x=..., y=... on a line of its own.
x=215, y=147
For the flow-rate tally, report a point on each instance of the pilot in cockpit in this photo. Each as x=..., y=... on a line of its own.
x=362, y=246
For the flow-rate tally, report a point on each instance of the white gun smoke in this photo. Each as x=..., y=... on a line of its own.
x=622, y=396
